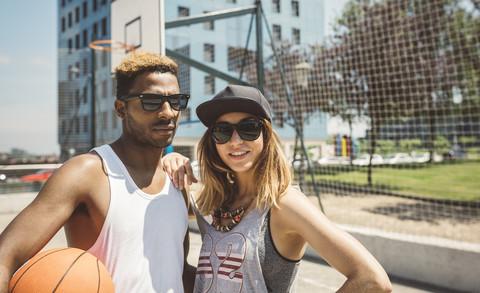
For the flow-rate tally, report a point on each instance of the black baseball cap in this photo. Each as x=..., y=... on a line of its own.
x=234, y=98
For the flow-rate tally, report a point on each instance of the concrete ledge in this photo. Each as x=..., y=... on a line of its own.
x=430, y=260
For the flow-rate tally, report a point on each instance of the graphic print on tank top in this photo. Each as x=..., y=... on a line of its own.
x=219, y=263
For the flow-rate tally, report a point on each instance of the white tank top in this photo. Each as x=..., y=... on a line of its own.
x=141, y=242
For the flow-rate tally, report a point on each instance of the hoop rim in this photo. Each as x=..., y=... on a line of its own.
x=97, y=45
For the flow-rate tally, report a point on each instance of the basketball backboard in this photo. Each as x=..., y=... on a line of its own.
x=138, y=24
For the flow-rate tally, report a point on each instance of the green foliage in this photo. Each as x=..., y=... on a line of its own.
x=467, y=140
x=409, y=144
x=385, y=146
x=441, y=143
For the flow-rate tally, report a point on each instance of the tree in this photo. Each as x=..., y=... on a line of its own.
x=398, y=59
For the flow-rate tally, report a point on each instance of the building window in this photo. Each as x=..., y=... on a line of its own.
x=208, y=52
x=85, y=124
x=104, y=120
x=104, y=26
x=85, y=38
x=63, y=24
x=77, y=69
x=183, y=11
x=63, y=3
x=277, y=32
x=104, y=2
x=208, y=25
x=295, y=9
x=95, y=5
x=63, y=127
x=231, y=1
x=85, y=9
x=95, y=32
x=70, y=46
x=77, y=98
x=115, y=119
x=104, y=89
x=85, y=100
x=209, y=84
x=77, y=41
x=77, y=125
x=104, y=58
x=296, y=36
x=77, y=14
x=70, y=19
x=85, y=66
x=276, y=5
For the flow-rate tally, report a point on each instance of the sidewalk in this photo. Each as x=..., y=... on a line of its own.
x=314, y=274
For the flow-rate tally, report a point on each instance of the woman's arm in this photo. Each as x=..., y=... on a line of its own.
x=177, y=167
x=297, y=222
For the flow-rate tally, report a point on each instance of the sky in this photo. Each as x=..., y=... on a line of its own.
x=28, y=74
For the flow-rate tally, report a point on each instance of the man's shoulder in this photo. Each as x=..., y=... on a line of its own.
x=87, y=163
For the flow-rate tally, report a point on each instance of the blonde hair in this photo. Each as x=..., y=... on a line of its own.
x=272, y=174
x=139, y=62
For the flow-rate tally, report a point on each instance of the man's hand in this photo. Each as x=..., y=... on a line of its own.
x=177, y=166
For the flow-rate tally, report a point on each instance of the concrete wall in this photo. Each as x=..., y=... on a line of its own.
x=437, y=261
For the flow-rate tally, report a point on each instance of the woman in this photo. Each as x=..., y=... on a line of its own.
x=260, y=224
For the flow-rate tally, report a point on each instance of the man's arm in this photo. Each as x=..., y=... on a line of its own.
x=189, y=271
x=34, y=227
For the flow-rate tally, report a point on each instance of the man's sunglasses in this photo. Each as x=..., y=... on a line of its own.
x=153, y=102
x=247, y=130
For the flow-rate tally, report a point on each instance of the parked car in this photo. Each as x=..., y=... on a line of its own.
x=363, y=160
x=398, y=158
x=425, y=157
x=333, y=160
x=452, y=155
x=41, y=175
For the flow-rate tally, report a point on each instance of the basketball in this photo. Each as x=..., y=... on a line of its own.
x=62, y=270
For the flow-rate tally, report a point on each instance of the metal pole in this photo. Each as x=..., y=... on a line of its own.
x=260, y=70
x=93, y=117
x=161, y=14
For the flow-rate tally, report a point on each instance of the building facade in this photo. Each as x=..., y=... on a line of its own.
x=85, y=80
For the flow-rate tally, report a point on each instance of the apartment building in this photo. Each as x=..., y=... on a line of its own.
x=86, y=88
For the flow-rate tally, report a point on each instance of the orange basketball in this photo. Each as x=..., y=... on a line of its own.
x=62, y=270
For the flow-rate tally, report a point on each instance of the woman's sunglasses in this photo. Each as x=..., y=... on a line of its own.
x=247, y=130
x=153, y=102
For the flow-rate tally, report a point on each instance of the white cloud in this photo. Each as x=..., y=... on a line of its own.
x=40, y=61
x=4, y=59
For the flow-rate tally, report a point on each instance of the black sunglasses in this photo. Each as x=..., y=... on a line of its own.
x=153, y=102
x=247, y=130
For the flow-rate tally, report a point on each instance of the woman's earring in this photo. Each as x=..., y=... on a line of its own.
x=230, y=178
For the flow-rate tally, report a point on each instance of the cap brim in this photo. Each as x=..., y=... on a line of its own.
x=209, y=112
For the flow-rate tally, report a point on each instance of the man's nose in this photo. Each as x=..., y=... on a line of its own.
x=166, y=111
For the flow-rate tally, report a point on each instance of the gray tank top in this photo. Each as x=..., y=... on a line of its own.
x=244, y=259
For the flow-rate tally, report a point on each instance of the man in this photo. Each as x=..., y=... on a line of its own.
x=116, y=201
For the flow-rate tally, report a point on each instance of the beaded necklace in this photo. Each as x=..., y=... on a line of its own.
x=223, y=213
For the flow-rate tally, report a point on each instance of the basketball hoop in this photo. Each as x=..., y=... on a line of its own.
x=111, y=46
